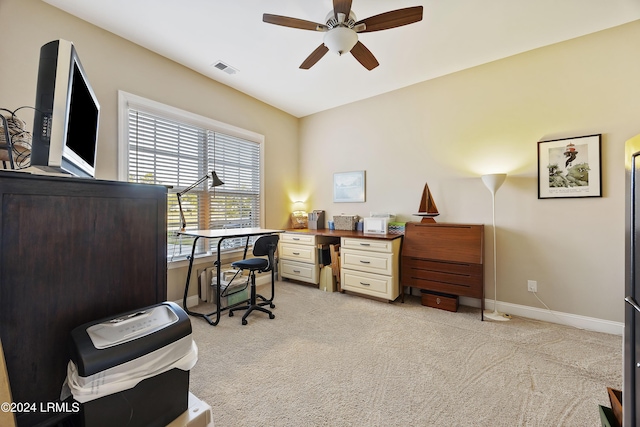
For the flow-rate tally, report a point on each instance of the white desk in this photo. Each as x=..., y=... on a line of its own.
x=221, y=235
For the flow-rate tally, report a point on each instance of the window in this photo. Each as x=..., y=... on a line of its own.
x=167, y=146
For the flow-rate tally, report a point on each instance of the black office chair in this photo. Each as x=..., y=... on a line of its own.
x=264, y=246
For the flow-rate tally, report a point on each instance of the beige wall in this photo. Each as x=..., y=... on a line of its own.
x=448, y=131
x=445, y=132
x=113, y=64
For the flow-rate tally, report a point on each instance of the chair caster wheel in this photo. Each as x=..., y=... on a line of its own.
x=231, y=314
x=272, y=306
x=272, y=316
x=244, y=322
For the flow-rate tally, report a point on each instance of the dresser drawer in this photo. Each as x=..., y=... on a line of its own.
x=455, y=278
x=366, y=283
x=299, y=271
x=300, y=253
x=372, y=262
x=298, y=239
x=374, y=245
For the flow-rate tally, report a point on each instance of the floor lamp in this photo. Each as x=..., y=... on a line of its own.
x=215, y=182
x=493, y=182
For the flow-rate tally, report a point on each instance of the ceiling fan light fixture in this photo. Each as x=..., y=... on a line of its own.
x=342, y=28
x=340, y=40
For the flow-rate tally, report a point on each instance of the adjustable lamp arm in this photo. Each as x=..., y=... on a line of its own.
x=216, y=182
x=194, y=185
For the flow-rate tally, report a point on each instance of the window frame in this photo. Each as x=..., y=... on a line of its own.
x=128, y=100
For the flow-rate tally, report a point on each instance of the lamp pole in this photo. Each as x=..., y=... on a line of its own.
x=493, y=182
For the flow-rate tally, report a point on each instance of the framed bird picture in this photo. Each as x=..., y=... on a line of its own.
x=570, y=167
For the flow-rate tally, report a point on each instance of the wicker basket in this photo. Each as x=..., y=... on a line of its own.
x=345, y=222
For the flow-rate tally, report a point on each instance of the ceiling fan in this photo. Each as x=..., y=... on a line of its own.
x=341, y=30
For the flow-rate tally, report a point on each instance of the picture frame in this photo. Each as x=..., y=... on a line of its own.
x=349, y=187
x=570, y=167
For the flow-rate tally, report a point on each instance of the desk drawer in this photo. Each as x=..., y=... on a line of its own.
x=372, y=262
x=300, y=253
x=299, y=271
x=365, y=283
x=373, y=245
x=298, y=239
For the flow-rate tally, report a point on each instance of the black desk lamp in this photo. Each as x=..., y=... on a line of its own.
x=215, y=182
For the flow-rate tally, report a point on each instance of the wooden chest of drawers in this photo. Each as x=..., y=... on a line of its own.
x=447, y=258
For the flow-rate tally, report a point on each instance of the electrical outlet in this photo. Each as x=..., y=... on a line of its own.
x=532, y=286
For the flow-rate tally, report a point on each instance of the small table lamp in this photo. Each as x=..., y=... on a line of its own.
x=215, y=182
x=299, y=217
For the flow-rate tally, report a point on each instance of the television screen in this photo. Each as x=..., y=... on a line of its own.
x=65, y=130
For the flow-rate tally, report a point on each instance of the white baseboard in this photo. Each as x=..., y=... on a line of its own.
x=192, y=301
x=568, y=319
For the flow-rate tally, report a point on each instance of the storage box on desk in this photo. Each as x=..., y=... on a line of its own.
x=132, y=369
x=345, y=222
x=440, y=300
x=316, y=220
x=396, y=227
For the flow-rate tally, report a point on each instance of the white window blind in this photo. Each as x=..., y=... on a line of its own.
x=169, y=150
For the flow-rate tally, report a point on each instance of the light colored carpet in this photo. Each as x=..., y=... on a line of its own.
x=331, y=359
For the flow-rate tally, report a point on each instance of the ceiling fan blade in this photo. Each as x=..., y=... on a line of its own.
x=285, y=21
x=341, y=6
x=315, y=56
x=392, y=19
x=364, y=56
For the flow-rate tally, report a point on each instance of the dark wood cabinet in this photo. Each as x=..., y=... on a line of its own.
x=446, y=258
x=71, y=251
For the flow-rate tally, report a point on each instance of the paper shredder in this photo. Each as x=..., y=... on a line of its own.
x=132, y=369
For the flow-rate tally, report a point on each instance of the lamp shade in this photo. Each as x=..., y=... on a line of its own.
x=298, y=206
x=340, y=40
x=215, y=181
x=494, y=181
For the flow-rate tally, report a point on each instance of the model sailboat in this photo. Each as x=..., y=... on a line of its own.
x=428, y=209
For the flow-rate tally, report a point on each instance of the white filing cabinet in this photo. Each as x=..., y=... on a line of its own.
x=371, y=266
x=298, y=254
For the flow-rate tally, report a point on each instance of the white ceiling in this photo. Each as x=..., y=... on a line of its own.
x=453, y=35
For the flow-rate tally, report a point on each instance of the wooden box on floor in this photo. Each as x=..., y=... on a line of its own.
x=440, y=300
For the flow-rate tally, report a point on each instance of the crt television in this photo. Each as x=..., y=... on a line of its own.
x=65, y=125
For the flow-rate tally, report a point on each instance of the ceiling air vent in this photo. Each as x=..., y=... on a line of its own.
x=225, y=67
